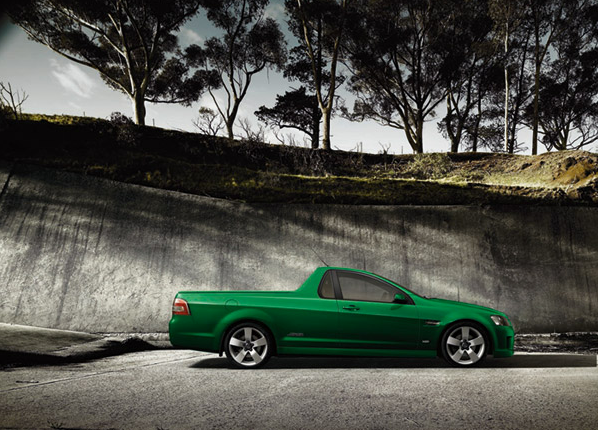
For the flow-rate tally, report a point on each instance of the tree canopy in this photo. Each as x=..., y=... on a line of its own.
x=400, y=55
x=131, y=43
x=320, y=27
x=251, y=43
x=484, y=70
x=568, y=89
x=294, y=109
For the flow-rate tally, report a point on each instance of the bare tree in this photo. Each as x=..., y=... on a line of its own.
x=208, y=122
x=288, y=139
x=11, y=100
x=250, y=133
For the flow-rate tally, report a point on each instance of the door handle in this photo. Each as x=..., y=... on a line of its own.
x=351, y=308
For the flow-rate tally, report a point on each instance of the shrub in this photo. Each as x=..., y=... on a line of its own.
x=5, y=114
x=125, y=131
x=118, y=118
x=430, y=166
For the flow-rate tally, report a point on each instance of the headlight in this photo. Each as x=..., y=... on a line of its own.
x=499, y=320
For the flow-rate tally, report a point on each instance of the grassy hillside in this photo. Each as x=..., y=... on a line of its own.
x=258, y=172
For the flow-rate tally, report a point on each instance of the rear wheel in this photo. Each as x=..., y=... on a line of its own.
x=248, y=345
x=464, y=344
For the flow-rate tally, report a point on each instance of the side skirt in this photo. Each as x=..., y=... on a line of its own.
x=357, y=352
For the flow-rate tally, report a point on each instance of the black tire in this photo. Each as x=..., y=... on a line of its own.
x=248, y=345
x=464, y=344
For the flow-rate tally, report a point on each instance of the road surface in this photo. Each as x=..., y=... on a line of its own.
x=170, y=389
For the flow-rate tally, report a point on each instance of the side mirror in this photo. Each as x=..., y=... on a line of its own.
x=400, y=298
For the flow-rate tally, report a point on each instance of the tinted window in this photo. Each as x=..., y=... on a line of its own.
x=365, y=289
x=326, y=288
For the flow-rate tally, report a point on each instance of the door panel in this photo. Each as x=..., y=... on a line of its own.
x=368, y=316
x=372, y=325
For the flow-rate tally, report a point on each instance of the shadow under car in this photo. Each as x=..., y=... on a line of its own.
x=534, y=360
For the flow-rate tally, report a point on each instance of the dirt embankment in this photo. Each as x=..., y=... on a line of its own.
x=257, y=172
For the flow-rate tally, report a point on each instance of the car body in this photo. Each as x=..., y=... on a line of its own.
x=337, y=311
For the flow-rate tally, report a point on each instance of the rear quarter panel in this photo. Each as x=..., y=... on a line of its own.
x=196, y=331
x=283, y=313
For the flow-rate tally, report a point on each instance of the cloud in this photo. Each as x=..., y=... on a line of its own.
x=73, y=78
x=275, y=11
x=206, y=100
x=191, y=36
x=75, y=105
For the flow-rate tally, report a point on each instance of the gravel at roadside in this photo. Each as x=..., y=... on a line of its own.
x=576, y=342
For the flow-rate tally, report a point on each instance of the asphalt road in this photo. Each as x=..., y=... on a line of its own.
x=169, y=389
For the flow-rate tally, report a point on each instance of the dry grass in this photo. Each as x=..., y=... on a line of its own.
x=258, y=172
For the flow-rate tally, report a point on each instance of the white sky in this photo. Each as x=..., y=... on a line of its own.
x=56, y=85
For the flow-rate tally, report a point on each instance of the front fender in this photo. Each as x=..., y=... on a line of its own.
x=483, y=320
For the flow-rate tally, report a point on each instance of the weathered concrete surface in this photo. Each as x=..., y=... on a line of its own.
x=40, y=341
x=82, y=253
x=5, y=169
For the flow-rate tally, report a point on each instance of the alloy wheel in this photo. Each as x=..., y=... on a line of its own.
x=465, y=345
x=248, y=346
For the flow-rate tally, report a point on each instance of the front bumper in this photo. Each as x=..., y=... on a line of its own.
x=504, y=342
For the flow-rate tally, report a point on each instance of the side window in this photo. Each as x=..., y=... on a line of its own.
x=326, y=289
x=365, y=289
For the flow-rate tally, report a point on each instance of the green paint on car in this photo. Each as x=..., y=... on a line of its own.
x=337, y=311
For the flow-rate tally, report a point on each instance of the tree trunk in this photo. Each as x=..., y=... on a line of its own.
x=454, y=144
x=449, y=124
x=420, y=134
x=419, y=145
x=409, y=135
x=507, y=89
x=536, y=110
x=326, y=114
x=562, y=145
x=513, y=126
x=315, y=134
x=230, y=121
x=315, y=142
x=229, y=129
x=476, y=128
x=139, y=108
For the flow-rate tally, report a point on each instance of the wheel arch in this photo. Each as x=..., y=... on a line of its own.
x=236, y=322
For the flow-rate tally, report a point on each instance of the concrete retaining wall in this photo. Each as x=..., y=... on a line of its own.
x=89, y=254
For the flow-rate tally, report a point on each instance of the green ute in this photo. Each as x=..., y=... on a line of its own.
x=337, y=311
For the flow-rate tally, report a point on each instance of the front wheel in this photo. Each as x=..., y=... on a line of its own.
x=248, y=345
x=464, y=344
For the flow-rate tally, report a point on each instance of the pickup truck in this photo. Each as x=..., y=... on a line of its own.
x=337, y=311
